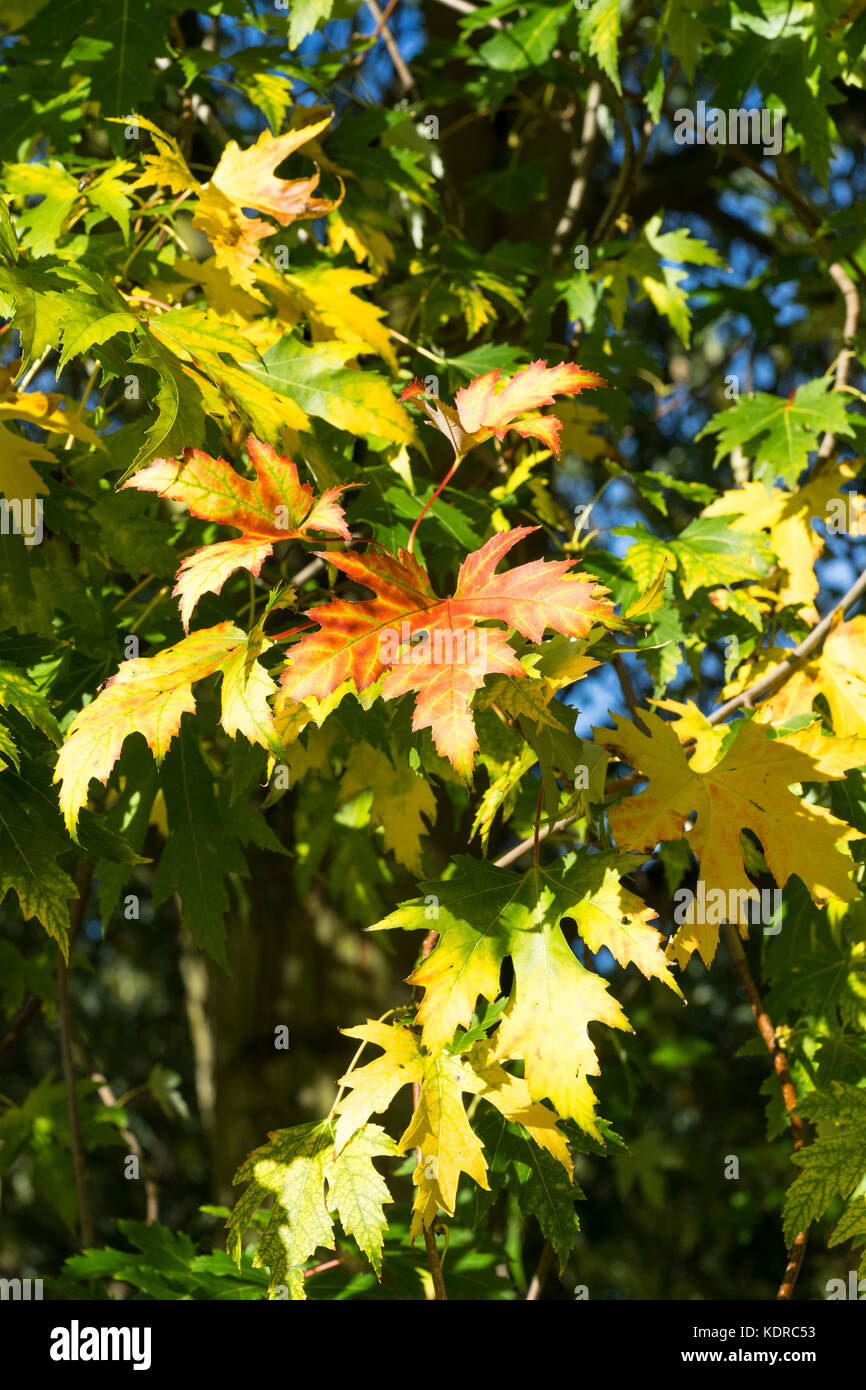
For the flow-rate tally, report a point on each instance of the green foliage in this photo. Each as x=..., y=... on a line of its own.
x=488, y=335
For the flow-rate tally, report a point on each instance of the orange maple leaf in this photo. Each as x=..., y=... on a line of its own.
x=484, y=409
x=417, y=641
x=277, y=506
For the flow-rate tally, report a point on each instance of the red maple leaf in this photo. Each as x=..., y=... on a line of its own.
x=414, y=640
x=277, y=506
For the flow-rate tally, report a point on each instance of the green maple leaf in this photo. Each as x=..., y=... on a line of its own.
x=304, y=17
x=311, y=1184
x=18, y=691
x=544, y=1188
x=600, y=28
x=528, y=42
x=318, y=381
x=834, y=1164
x=708, y=553
x=29, y=849
x=780, y=432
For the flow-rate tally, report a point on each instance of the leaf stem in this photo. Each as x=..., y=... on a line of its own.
x=451, y=471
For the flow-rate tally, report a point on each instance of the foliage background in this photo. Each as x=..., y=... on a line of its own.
x=469, y=239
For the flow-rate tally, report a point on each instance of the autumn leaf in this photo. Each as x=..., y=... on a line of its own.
x=311, y=1184
x=837, y=671
x=439, y=1129
x=242, y=179
x=486, y=914
x=485, y=408
x=150, y=695
x=788, y=516
x=380, y=637
x=275, y=507
x=748, y=788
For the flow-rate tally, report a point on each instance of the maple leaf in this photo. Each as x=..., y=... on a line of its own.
x=149, y=695
x=380, y=637
x=242, y=179
x=399, y=800
x=17, y=478
x=838, y=672
x=275, y=507
x=747, y=788
x=311, y=1183
x=439, y=1129
x=486, y=914
x=780, y=431
x=834, y=1164
x=246, y=179
x=29, y=852
x=485, y=409
x=788, y=517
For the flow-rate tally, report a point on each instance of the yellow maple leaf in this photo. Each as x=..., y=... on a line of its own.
x=748, y=788
x=149, y=695
x=246, y=179
x=788, y=516
x=439, y=1129
x=837, y=671
x=323, y=294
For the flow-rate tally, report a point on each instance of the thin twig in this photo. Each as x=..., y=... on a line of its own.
x=107, y=1096
x=542, y=1270
x=580, y=164
x=789, y=1092
x=440, y=1292
x=407, y=81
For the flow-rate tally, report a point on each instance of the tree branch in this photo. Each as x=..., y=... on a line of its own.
x=780, y=673
x=789, y=1093
x=541, y=1273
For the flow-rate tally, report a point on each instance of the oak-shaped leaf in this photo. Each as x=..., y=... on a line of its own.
x=150, y=695
x=275, y=507
x=485, y=408
x=415, y=641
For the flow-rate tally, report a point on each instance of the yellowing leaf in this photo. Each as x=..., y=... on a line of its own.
x=749, y=788
x=400, y=800
x=149, y=695
x=485, y=914
x=788, y=516
x=323, y=295
x=838, y=672
x=439, y=1129
x=246, y=179
x=310, y=1184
